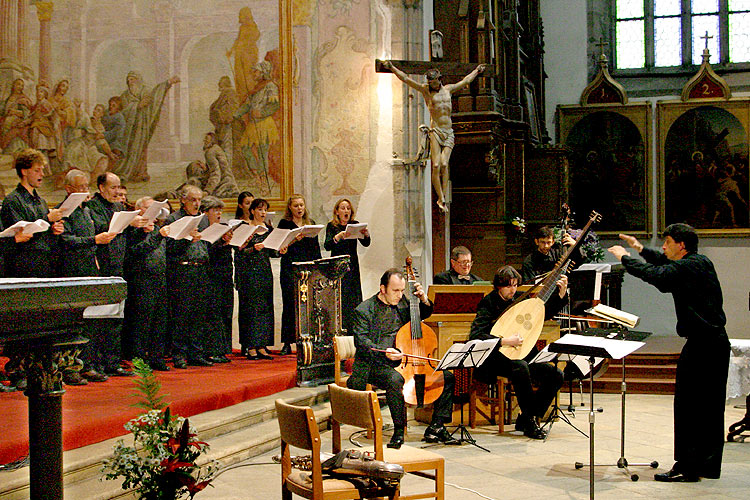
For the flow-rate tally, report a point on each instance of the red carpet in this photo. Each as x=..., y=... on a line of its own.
x=97, y=411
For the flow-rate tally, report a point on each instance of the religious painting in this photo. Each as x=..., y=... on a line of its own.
x=531, y=109
x=161, y=93
x=609, y=164
x=703, y=159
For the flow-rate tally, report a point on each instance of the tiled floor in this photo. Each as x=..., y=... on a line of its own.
x=520, y=468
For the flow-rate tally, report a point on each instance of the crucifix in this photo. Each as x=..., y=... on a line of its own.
x=706, y=38
x=438, y=99
x=601, y=46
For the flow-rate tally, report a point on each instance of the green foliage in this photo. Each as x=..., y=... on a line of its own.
x=162, y=463
x=148, y=387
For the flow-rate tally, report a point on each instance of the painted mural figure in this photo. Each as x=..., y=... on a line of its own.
x=245, y=51
x=141, y=109
x=220, y=180
x=14, y=119
x=43, y=131
x=88, y=150
x=261, y=132
x=221, y=114
x=442, y=140
x=65, y=110
x=115, y=126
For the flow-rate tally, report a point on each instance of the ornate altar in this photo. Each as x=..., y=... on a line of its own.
x=318, y=312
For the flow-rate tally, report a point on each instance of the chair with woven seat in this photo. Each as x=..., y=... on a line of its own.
x=361, y=409
x=299, y=428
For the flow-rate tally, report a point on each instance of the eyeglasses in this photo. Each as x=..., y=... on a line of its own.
x=465, y=263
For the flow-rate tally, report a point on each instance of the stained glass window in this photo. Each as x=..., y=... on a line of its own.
x=654, y=33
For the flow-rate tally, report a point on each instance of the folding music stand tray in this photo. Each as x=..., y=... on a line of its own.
x=593, y=347
x=461, y=358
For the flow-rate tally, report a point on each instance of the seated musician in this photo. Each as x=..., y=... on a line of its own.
x=460, y=271
x=546, y=254
x=521, y=373
x=377, y=320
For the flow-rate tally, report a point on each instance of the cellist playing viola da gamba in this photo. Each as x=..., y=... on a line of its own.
x=376, y=323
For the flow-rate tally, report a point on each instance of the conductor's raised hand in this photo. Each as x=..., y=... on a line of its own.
x=632, y=242
x=393, y=354
x=618, y=251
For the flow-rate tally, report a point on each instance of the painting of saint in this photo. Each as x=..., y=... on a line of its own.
x=608, y=172
x=706, y=170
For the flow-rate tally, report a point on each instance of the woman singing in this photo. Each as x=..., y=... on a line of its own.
x=351, y=286
x=302, y=250
x=254, y=281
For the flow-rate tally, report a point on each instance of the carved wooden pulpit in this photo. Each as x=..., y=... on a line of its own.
x=318, y=313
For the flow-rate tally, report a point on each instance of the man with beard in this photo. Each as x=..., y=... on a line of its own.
x=141, y=108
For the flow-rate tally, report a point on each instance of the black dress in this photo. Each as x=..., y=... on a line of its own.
x=254, y=282
x=304, y=250
x=222, y=292
x=351, y=284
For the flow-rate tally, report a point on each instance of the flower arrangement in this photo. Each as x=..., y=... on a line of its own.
x=518, y=223
x=161, y=464
x=591, y=249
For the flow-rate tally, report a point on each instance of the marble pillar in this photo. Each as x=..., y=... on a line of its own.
x=44, y=14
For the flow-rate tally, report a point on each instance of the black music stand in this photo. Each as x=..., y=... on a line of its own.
x=592, y=347
x=461, y=358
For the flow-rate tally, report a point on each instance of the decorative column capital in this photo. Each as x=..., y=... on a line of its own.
x=44, y=369
x=44, y=9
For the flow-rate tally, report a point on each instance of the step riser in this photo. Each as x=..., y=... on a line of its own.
x=643, y=371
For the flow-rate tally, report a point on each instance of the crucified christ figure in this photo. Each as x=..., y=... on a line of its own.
x=438, y=99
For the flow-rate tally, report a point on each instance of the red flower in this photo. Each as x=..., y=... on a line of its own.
x=172, y=464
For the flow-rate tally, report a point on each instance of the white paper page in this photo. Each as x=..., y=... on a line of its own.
x=276, y=239
x=72, y=202
x=153, y=211
x=234, y=222
x=181, y=228
x=617, y=349
x=121, y=220
x=544, y=356
x=355, y=230
x=213, y=232
x=38, y=226
x=244, y=232
x=311, y=230
x=269, y=217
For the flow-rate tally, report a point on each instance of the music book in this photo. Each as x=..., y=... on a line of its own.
x=121, y=220
x=280, y=238
x=38, y=226
x=181, y=228
x=154, y=210
x=215, y=231
x=585, y=345
x=546, y=356
x=612, y=314
x=244, y=232
x=72, y=202
x=270, y=216
x=470, y=354
x=355, y=231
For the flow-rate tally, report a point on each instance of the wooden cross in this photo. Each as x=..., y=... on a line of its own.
x=446, y=68
x=601, y=45
x=706, y=38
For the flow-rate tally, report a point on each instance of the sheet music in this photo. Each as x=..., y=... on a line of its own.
x=279, y=238
x=181, y=228
x=470, y=354
x=154, y=210
x=355, y=231
x=72, y=202
x=121, y=220
x=38, y=226
x=310, y=230
x=617, y=349
x=215, y=231
x=244, y=232
x=234, y=222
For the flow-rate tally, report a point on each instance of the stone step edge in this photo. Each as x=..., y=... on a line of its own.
x=84, y=463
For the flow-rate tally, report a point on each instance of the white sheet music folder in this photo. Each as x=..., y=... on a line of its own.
x=599, y=347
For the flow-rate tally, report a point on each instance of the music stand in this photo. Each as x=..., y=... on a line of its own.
x=593, y=347
x=622, y=333
x=461, y=358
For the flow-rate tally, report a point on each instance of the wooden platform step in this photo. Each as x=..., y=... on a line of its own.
x=652, y=373
x=611, y=385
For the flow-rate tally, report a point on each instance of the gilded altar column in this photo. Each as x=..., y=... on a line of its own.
x=22, y=34
x=8, y=29
x=44, y=14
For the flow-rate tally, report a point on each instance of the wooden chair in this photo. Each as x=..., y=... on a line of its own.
x=499, y=410
x=299, y=429
x=343, y=349
x=361, y=409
